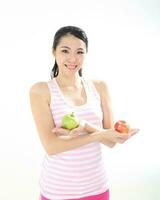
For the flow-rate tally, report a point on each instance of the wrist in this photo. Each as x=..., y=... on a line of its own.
x=97, y=136
x=104, y=134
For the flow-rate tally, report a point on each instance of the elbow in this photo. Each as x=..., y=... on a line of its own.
x=50, y=149
x=112, y=145
x=54, y=149
x=50, y=153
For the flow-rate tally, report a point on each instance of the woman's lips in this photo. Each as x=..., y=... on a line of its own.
x=72, y=67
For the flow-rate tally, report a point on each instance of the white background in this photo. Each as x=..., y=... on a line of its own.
x=124, y=49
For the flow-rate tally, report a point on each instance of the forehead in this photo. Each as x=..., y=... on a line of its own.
x=72, y=42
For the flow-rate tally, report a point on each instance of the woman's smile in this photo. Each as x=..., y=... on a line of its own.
x=71, y=67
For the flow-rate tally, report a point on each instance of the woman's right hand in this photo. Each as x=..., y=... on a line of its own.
x=117, y=137
x=65, y=132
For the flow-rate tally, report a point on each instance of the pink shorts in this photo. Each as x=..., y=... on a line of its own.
x=102, y=196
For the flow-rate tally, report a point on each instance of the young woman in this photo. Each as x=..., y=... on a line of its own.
x=73, y=166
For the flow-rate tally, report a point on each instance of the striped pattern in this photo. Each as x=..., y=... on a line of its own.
x=79, y=172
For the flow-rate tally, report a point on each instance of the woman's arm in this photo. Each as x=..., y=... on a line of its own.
x=108, y=122
x=40, y=106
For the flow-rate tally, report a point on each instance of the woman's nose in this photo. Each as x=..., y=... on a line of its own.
x=72, y=58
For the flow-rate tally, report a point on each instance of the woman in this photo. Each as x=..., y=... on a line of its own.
x=73, y=167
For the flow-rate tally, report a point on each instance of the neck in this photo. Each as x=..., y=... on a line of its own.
x=68, y=82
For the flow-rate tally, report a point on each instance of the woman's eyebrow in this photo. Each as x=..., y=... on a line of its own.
x=80, y=49
x=70, y=48
x=65, y=47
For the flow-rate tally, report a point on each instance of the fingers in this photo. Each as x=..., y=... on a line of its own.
x=133, y=131
x=125, y=137
x=74, y=132
x=122, y=135
x=61, y=131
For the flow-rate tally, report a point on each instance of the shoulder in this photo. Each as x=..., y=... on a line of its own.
x=39, y=89
x=101, y=86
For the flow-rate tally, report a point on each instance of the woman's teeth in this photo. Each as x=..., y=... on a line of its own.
x=71, y=66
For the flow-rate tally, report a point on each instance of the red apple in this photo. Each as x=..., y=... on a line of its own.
x=122, y=126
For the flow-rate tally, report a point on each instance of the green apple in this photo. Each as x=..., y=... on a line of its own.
x=70, y=121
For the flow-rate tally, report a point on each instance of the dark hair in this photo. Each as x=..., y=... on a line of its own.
x=67, y=30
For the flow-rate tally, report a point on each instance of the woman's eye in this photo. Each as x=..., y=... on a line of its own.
x=80, y=52
x=65, y=51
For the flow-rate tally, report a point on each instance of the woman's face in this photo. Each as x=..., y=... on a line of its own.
x=69, y=54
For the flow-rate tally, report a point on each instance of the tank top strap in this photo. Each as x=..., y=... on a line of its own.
x=54, y=93
x=92, y=91
x=54, y=88
x=51, y=86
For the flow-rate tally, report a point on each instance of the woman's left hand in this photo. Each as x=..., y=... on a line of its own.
x=131, y=133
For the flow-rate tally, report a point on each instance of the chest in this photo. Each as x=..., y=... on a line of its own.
x=83, y=102
x=76, y=97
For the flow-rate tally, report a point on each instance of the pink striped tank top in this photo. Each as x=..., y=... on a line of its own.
x=78, y=172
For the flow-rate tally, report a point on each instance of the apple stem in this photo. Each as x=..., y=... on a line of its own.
x=72, y=114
